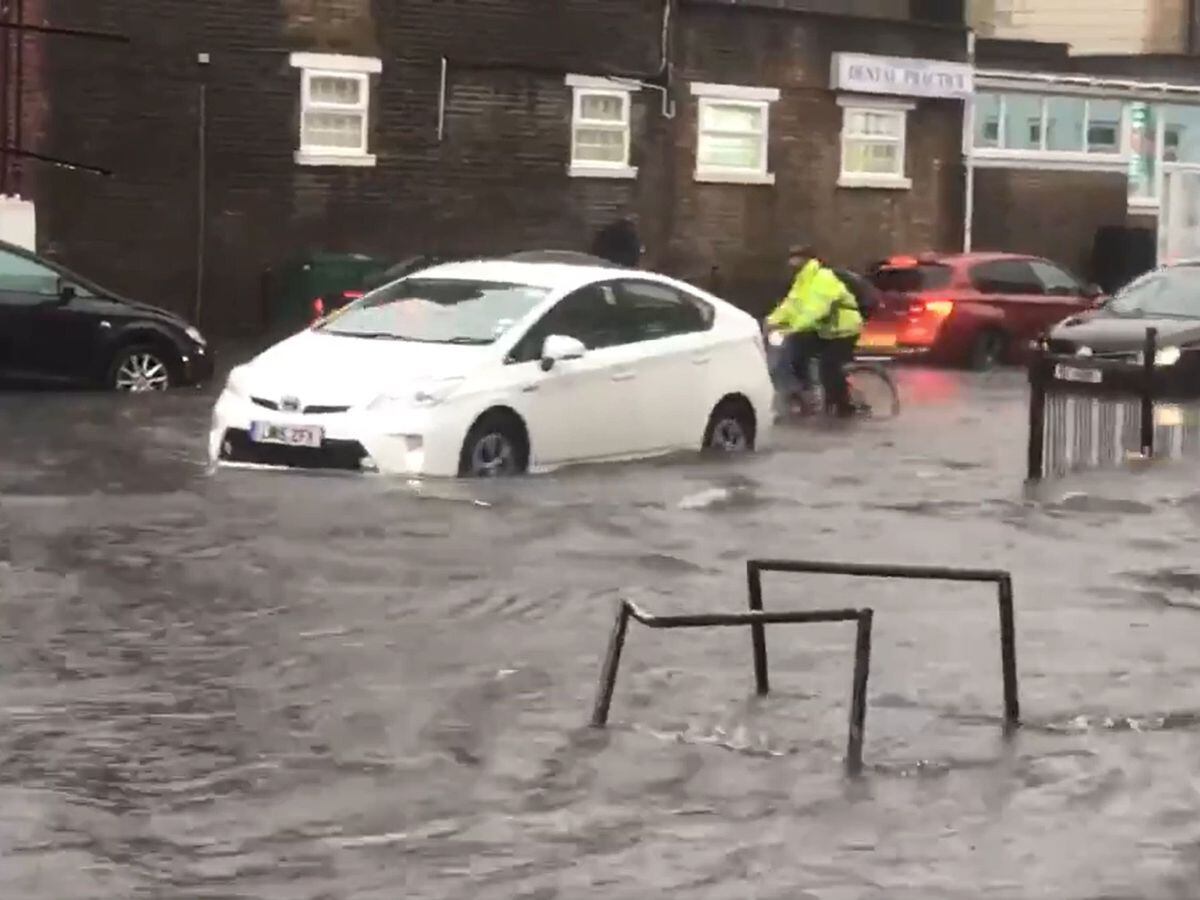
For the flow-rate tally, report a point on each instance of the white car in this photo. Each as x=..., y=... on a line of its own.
x=496, y=368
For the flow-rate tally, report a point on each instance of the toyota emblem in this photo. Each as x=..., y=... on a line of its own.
x=290, y=404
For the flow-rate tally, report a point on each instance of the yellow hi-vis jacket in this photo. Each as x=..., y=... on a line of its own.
x=820, y=302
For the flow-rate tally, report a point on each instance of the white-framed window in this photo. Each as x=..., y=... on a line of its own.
x=335, y=108
x=733, y=128
x=1039, y=130
x=874, y=134
x=600, y=128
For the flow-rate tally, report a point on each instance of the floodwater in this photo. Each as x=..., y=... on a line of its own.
x=284, y=686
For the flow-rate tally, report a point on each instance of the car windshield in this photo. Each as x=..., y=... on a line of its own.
x=437, y=311
x=1168, y=293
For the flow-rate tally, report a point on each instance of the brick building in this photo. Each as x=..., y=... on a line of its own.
x=240, y=133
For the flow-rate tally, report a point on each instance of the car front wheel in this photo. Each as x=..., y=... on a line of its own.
x=496, y=447
x=139, y=370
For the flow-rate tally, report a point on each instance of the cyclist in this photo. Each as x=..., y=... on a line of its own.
x=820, y=316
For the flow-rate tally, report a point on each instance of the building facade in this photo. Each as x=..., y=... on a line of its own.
x=1089, y=26
x=253, y=131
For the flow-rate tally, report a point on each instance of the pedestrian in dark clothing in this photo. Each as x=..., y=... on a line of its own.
x=619, y=243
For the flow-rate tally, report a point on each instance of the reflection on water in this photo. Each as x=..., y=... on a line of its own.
x=280, y=686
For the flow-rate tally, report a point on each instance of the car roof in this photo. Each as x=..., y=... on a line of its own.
x=554, y=276
x=959, y=259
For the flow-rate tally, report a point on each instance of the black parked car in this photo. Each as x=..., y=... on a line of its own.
x=56, y=326
x=1167, y=299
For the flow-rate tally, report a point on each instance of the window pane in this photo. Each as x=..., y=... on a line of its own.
x=21, y=275
x=656, y=311
x=730, y=117
x=1181, y=141
x=1104, y=126
x=1064, y=123
x=600, y=145
x=1006, y=277
x=987, y=120
x=731, y=152
x=1022, y=122
x=330, y=129
x=602, y=108
x=870, y=157
x=1143, y=166
x=332, y=89
x=1054, y=280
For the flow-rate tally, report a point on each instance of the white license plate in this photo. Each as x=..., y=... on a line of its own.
x=1084, y=376
x=288, y=435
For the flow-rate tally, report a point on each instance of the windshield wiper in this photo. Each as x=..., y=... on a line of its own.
x=366, y=335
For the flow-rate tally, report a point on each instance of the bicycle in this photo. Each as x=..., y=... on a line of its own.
x=873, y=393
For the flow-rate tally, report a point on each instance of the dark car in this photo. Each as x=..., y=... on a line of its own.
x=1167, y=299
x=58, y=327
x=972, y=309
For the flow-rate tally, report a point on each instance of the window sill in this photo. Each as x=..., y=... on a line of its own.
x=886, y=183
x=591, y=171
x=711, y=176
x=313, y=158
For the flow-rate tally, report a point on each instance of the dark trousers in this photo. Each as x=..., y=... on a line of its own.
x=835, y=354
x=800, y=349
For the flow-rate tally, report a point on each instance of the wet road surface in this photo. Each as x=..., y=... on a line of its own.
x=292, y=686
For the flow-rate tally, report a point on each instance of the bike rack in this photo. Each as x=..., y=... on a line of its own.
x=756, y=619
x=1004, y=596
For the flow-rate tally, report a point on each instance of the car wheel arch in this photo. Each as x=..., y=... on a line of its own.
x=141, y=335
x=733, y=399
x=505, y=411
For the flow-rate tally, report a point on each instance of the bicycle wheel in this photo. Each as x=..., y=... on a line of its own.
x=872, y=391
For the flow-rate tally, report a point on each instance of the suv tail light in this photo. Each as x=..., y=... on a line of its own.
x=940, y=309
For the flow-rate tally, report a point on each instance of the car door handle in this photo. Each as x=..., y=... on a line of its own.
x=700, y=360
x=628, y=375
x=529, y=389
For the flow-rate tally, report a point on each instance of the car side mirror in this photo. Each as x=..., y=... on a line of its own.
x=559, y=347
x=66, y=291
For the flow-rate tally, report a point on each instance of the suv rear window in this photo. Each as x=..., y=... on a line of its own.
x=911, y=279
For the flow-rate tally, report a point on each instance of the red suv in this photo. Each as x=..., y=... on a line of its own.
x=972, y=309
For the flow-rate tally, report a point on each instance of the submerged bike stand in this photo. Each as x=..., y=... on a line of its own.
x=756, y=618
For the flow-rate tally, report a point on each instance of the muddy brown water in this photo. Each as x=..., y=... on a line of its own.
x=285, y=686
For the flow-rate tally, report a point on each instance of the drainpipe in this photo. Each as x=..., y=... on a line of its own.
x=201, y=186
x=19, y=99
x=5, y=134
x=969, y=150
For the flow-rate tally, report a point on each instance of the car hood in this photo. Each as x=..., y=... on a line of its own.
x=1105, y=332
x=327, y=369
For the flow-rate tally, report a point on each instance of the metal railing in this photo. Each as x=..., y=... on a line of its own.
x=1088, y=412
x=756, y=620
x=1004, y=599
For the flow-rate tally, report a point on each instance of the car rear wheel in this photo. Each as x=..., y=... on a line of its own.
x=731, y=427
x=986, y=351
x=495, y=447
x=140, y=369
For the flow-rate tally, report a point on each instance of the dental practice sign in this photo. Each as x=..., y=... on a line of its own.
x=937, y=78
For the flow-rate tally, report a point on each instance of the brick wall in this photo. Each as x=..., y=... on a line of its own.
x=496, y=182
x=1047, y=213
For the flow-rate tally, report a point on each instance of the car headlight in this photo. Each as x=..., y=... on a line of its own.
x=236, y=383
x=424, y=396
x=195, y=336
x=775, y=338
x=1165, y=356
